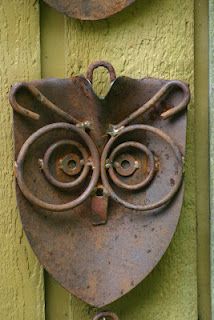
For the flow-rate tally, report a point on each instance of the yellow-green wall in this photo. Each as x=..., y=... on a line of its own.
x=21, y=277
x=150, y=38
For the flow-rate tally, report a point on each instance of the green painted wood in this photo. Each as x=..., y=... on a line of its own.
x=202, y=159
x=211, y=131
x=151, y=38
x=21, y=276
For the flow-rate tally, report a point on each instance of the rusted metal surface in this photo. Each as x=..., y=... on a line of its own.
x=107, y=315
x=99, y=206
x=98, y=64
x=99, y=181
x=175, y=162
x=90, y=9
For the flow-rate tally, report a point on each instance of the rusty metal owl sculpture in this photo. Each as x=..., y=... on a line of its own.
x=99, y=180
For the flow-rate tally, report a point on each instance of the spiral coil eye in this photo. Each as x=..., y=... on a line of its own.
x=72, y=163
x=69, y=163
x=128, y=165
x=111, y=176
x=62, y=160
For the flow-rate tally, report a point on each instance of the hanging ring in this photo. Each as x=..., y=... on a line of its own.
x=104, y=64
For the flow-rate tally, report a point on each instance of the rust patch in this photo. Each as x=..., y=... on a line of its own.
x=90, y=9
x=99, y=181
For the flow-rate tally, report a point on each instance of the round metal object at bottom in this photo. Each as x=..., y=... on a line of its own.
x=90, y=9
x=106, y=315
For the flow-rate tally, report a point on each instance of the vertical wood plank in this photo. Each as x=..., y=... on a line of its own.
x=202, y=158
x=150, y=38
x=21, y=285
x=211, y=132
x=53, y=65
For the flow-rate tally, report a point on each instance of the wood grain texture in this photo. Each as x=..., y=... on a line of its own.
x=151, y=38
x=202, y=158
x=211, y=132
x=21, y=284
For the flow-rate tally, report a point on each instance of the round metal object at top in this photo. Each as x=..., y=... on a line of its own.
x=89, y=9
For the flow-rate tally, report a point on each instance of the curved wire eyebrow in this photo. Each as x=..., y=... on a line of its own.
x=166, y=89
x=39, y=97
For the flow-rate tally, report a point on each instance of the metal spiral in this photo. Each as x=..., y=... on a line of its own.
x=76, y=164
x=128, y=165
x=72, y=164
x=109, y=168
x=80, y=161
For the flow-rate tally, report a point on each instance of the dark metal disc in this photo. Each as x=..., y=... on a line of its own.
x=89, y=9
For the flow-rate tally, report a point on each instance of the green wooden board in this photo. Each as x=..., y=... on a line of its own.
x=211, y=132
x=21, y=276
x=150, y=38
x=165, y=39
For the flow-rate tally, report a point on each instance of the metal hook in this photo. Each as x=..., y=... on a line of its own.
x=183, y=104
x=97, y=64
x=157, y=97
x=39, y=97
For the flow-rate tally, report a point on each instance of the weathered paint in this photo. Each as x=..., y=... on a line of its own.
x=201, y=158
x=211, y=132
x=151, y=38
x=21, y=283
